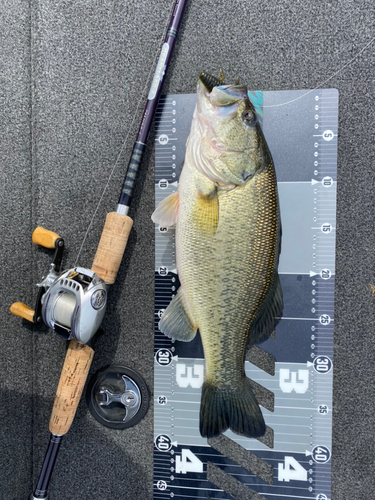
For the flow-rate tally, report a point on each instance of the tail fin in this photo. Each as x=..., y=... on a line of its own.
x=237, y=410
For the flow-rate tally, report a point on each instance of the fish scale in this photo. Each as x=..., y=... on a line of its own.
x=197, y=266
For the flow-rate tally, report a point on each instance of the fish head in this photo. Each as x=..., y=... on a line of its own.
x=227, y=126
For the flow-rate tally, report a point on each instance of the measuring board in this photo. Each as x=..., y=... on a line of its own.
x=296, y=457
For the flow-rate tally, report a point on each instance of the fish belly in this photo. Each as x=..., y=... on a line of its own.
x=226, y=266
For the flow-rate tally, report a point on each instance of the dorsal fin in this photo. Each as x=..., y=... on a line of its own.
x=269, y=312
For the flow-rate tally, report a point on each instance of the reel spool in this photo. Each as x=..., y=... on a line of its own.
x=75, y=304
x=71, y=302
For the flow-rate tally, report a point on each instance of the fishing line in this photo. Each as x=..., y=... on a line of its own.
x=325, y=81
x=141, y=99
x=123, y=147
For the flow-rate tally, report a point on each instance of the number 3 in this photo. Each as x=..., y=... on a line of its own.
x=288, y=381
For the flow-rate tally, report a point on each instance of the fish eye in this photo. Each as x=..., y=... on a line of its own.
x=248, y=116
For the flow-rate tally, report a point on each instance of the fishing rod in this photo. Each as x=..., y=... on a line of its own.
x=73, y=302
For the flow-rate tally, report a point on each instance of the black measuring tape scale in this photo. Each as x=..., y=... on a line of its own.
x=296, y=456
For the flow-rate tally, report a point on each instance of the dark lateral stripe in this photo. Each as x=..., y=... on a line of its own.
x=265, y=397
x=261, y=359
x=230, y=485
x=243, y=457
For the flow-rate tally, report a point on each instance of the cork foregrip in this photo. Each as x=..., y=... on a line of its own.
x=72, y=381
x=111, y=246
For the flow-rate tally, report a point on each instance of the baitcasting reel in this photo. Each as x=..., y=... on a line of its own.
x=71, y=302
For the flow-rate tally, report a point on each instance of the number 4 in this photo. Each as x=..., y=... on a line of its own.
x=188, y=462
x=291, y=470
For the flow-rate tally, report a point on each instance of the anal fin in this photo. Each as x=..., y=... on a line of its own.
x=175, y=322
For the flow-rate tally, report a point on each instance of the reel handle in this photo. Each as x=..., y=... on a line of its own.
x=45, y=238
x=23, y=311
x=72, y=381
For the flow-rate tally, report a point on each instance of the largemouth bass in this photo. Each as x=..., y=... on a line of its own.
x=227, y=220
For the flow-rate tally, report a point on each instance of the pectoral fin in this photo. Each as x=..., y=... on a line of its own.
x=167, y=211
x=175, y=322
x=206, y=213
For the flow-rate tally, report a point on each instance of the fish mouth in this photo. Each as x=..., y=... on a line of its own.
x=210, y=81
x=219, y=94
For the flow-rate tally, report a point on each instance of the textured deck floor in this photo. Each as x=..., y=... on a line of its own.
x=71, y=75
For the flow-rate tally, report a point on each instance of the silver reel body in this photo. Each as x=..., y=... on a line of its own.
x=74, y=303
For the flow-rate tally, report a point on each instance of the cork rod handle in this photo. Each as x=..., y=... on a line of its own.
x=78, y=359
x=72, y=381
x=111, y=246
